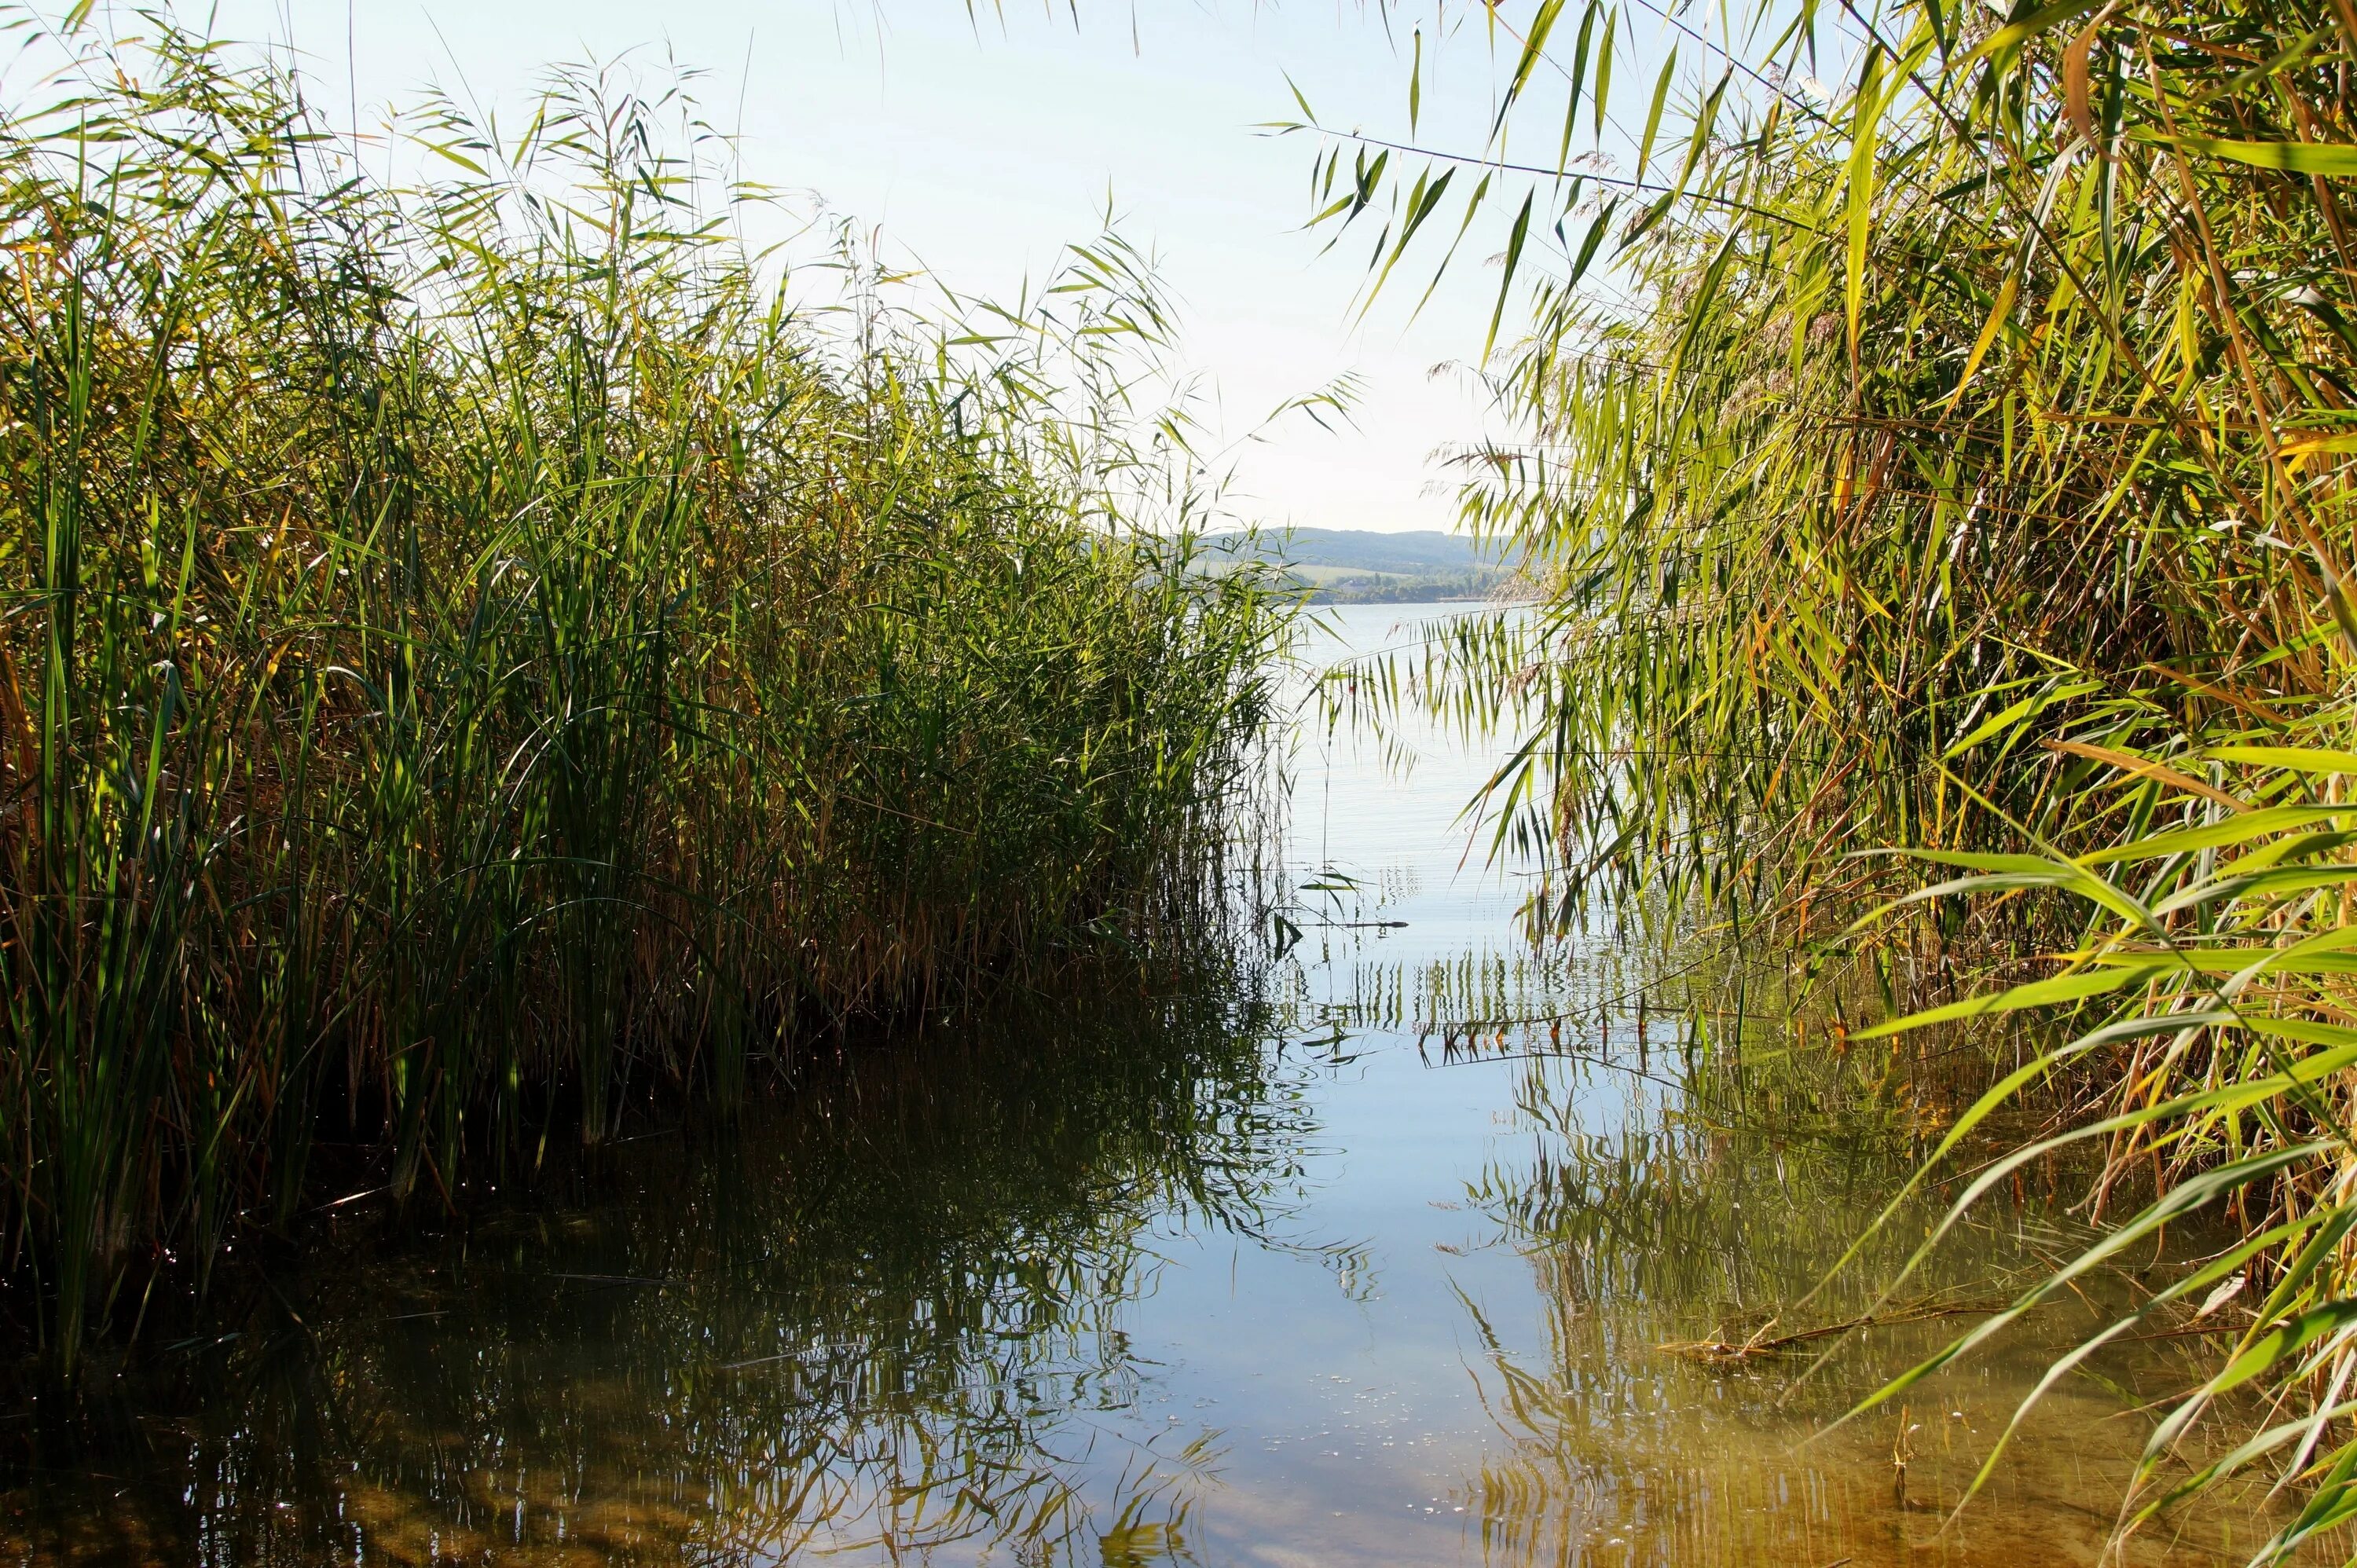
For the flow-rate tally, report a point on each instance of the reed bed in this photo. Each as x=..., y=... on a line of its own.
x=1934, y=430
x=477, y=652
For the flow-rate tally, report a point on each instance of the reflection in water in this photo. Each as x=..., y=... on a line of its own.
x=886, y=1315
x=1365, y=1254
x=1673, y=1226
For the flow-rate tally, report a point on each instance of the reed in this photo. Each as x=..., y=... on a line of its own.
x=475, y=654
x=1955, y=460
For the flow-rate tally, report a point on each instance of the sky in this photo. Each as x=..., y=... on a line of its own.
x=978, y=147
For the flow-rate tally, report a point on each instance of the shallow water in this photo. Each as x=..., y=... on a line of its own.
x=1366, y=1259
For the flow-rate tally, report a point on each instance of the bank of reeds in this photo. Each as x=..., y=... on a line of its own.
x=1956, y=459
x=477, y=653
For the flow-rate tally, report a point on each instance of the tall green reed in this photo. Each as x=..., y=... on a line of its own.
x=1955, y=460
x=482, y=652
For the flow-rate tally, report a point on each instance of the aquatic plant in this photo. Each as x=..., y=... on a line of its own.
x=1955, y=460
x=479, y=652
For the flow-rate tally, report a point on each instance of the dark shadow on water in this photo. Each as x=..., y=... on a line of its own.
x=885, y=1311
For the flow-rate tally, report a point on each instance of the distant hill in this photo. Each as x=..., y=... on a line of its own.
x=1346, y=565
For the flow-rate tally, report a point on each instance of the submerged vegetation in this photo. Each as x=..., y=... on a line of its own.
x=477, y=652
x=1954, y=462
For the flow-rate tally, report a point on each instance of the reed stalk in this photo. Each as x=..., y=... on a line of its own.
x=477, y=654
x=1952, y=465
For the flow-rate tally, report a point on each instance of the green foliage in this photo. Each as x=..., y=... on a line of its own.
x=1959, y=461
x=476, y=653
x=2227, y=1079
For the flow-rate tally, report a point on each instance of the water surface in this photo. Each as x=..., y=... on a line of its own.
x=1367, y=1255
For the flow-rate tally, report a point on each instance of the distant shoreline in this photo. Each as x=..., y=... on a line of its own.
x=1344, y=566
x=1344, y=596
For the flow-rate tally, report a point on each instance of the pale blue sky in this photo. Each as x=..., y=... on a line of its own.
x=980, y=149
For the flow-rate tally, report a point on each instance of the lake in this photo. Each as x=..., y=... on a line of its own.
x=1365, y=1252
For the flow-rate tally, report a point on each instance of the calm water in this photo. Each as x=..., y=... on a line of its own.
x=1365, y=1258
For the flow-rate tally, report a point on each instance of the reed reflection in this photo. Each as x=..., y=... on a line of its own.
x=1688, y=1406
x=886, y=1317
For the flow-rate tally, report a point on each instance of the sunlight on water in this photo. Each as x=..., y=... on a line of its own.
x=1367, y=1257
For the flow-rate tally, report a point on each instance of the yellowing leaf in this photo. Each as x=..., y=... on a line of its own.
x=2336, y=159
